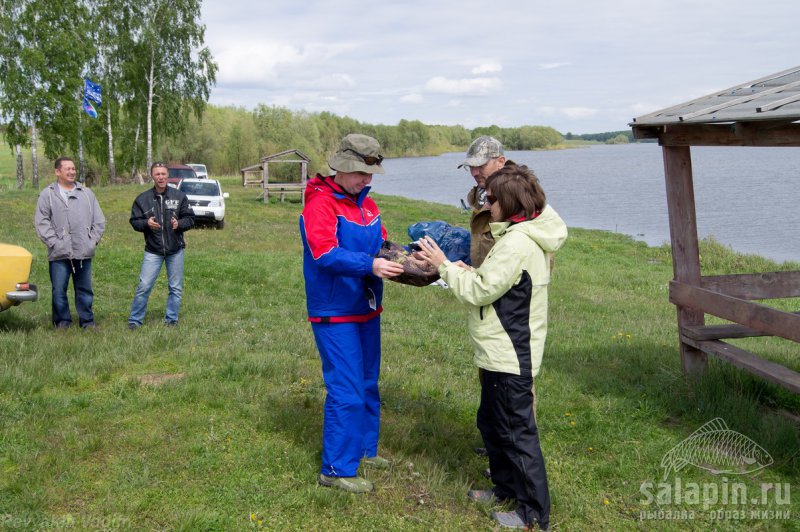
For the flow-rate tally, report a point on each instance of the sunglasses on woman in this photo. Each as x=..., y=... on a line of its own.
x=369, y=159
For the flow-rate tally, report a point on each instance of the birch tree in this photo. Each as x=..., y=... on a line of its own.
x=10, y=73
x=178, y=69
x=113, y=34
x=43, y=52
x=149, y=55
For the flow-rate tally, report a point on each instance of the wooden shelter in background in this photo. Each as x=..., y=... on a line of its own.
x=258, y=174
x=763, y=112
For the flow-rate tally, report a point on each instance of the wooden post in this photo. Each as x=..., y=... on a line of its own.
x=303, y=174
x=265, y=180
x=685, y=248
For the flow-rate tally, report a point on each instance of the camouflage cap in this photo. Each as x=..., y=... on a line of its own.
x=481, y=150
x=352, y=152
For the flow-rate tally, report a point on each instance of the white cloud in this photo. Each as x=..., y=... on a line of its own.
x=253, y=62
x=468, y=86
x=577, y=113
x=412, y=98
x=338, y=81
x=550, y=66
x=487, y=68
x=302, y=58
x=642, y=108
x=248, y=60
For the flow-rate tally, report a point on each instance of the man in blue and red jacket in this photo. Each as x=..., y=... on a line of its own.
x=342, y=234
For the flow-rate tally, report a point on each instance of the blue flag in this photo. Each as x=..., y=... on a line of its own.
x=89, y=108
x=92, y=91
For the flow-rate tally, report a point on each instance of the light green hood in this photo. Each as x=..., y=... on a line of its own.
x=548, y=230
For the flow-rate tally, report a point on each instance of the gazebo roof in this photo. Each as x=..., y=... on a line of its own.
x=298, y=153
x=278, y=158
x=772, y=98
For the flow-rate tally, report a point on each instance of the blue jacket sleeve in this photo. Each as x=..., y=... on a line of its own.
x=320, y=226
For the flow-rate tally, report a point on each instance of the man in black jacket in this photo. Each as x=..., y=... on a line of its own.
x=163, y=214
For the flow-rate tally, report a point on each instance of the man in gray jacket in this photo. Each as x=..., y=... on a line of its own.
x=70, y=222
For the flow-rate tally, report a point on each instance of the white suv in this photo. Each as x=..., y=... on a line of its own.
x=199, y=169
x=206, y=198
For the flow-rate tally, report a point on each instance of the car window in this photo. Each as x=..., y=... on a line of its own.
x=181, y=173
x=199, y=189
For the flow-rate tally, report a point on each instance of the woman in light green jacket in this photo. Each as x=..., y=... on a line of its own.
x=507, y=301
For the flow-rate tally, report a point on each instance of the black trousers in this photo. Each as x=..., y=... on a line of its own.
x=508, y=428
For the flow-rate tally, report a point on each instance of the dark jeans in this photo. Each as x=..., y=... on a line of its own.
x=81, y=273
x=508, y=427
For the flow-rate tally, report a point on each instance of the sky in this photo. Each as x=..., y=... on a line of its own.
x=579, y=66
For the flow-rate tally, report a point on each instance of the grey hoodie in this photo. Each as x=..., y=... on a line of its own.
x=70, y=229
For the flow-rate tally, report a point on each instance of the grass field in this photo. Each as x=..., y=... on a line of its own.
x=216, y=425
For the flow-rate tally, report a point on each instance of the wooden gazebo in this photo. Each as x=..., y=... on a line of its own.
x=763, y=112
x=258, y=174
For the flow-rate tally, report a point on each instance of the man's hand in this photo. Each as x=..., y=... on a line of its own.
x=153, y=224
x=385, y=268
x=174, y=223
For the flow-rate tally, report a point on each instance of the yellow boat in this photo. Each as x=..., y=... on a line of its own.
x=15, y=269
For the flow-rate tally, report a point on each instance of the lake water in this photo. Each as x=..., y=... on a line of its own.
x=746, y=198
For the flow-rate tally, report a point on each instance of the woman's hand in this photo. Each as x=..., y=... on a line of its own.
x=430, y=251
x=385, y=268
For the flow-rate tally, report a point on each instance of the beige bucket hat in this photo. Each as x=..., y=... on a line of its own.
x=357, y=153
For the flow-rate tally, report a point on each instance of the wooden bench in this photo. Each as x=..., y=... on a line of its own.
x=282, y=189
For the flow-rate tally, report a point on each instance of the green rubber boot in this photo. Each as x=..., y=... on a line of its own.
x=349, y=484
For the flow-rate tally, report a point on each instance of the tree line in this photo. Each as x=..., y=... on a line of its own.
x=148, y=56
x=156, y=74
x=229, y=138
x=609, y=137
